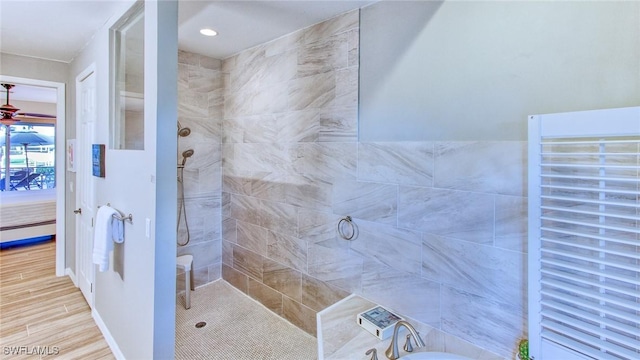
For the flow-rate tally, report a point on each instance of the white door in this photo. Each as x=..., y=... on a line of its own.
x=85, y=193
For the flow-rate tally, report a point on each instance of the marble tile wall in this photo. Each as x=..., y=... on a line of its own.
x=441, y=225
x=465, y=208
x=289, y=136
x=200, y=108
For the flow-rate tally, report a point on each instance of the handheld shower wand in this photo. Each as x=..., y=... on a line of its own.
x=182, y=209
x=185, y=155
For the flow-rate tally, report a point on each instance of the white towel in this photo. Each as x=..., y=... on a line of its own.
x=103, y=237
x=117, y=230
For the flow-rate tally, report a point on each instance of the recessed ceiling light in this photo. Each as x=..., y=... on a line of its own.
x=208, y=32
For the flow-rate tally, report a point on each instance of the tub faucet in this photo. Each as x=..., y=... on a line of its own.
x=392, y=352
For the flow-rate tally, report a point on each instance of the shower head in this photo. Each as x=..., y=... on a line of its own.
x=186, y=154
x=184, y=131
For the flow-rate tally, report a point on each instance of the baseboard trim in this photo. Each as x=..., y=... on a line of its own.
x=71, y=276
x=115, y=349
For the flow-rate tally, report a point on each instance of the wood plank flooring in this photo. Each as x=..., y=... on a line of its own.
x=41, y=315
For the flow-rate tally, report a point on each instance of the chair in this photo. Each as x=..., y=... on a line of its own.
x=19, y=175
x=14, y=179
x=26, y=182
x=186, y=262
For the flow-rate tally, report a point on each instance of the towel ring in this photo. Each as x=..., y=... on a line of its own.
x=347, y=220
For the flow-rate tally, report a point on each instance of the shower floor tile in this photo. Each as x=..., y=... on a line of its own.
x=237, y=327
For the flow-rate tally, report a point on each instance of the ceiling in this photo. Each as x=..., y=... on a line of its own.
x=244, y=24
x=60, y=29
x=30, y=93
x=49, y=29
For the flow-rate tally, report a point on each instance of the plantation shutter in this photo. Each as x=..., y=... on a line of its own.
x=584, y=235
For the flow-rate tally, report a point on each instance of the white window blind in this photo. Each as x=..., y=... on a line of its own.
x=587, y=221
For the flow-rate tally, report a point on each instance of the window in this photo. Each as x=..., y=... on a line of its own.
x=127, y=120
x=27, y=154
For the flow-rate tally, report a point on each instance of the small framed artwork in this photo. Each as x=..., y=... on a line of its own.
x=97, y=159
x=71, y=155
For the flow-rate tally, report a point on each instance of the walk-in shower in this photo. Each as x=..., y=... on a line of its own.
x=182, y=209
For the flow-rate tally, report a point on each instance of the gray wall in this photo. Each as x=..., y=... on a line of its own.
x=474, y=70
x=33, y=68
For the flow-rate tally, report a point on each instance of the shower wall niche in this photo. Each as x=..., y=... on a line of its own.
x=200, y=108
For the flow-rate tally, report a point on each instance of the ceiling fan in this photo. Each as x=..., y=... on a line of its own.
x=10, y=114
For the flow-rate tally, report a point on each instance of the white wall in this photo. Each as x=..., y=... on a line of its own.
x=138, y=310
x=473, y=70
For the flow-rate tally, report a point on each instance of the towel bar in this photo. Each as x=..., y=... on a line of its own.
x=124, y=218
x=120, y=217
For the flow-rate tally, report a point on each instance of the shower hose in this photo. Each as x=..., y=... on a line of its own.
x=182, y=209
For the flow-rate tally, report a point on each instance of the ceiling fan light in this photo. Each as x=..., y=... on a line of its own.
x=8, y=121
x=8, y=108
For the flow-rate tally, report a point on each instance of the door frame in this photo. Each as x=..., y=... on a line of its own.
x=61, y=171
x=82, y=75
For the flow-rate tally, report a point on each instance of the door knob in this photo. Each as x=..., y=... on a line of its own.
x=78, y=211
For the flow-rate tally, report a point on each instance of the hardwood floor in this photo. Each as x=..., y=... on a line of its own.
x=41, y=315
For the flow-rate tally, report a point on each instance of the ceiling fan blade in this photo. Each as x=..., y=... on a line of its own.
x=10, y=114
x=45, y=116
